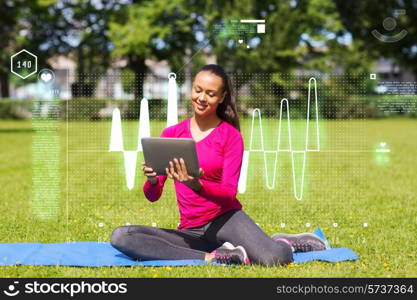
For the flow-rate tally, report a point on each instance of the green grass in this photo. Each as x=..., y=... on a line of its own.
x=344, y=185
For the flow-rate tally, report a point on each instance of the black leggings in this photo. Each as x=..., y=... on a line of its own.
x=235, y=226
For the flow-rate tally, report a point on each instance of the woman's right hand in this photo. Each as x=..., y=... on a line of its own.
x=148, y=172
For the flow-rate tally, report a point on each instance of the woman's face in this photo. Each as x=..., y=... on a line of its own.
x=207, y=93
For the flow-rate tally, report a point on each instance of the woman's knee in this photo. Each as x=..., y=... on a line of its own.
x=280, y=256
x=285, y=256
x=118, y=236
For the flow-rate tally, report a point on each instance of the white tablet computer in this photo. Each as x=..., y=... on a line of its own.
x=158, y=151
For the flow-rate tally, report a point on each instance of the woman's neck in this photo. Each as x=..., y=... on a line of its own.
x=207, y=122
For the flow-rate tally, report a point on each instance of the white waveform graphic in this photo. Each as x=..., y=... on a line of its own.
x=116, y=137
x=172, y=115
x=298, y=192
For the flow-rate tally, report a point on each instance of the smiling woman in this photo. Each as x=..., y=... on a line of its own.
x=212, y=219
x=214, y=93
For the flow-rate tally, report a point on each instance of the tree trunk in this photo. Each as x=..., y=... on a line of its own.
x=80, y=88
x=138, y=66
x=415, y=79
x=4, y=85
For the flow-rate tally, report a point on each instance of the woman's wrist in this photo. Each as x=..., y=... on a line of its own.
x=153, y=180
x=195, y=185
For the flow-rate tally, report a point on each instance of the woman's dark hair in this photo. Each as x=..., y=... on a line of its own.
x=227, y=110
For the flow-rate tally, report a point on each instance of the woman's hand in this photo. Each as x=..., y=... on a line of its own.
x=178, y=171
x=148, y=172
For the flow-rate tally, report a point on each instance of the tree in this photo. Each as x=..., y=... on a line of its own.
x=10, y=38
x=300, y=35
x=291, y=26
x=76, y=28
x=360, y=18
x=157, y=29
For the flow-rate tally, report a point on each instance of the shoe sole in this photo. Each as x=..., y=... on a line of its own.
x=297, y=235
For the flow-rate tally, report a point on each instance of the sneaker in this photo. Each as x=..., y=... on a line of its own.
x=228, y=254
x=226, y=245
x=302, y=242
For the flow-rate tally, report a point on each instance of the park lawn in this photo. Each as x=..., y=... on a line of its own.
x=344, y=188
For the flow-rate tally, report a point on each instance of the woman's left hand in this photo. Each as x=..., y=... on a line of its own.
x=178, y=171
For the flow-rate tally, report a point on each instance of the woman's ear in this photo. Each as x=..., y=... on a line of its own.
x=223, y=96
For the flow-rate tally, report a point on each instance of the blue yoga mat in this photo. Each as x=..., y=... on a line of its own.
x=102, y=254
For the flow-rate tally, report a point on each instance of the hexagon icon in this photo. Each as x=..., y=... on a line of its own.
x=24, y=64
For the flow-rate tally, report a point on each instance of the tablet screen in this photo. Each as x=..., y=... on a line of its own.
x=158, y=151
